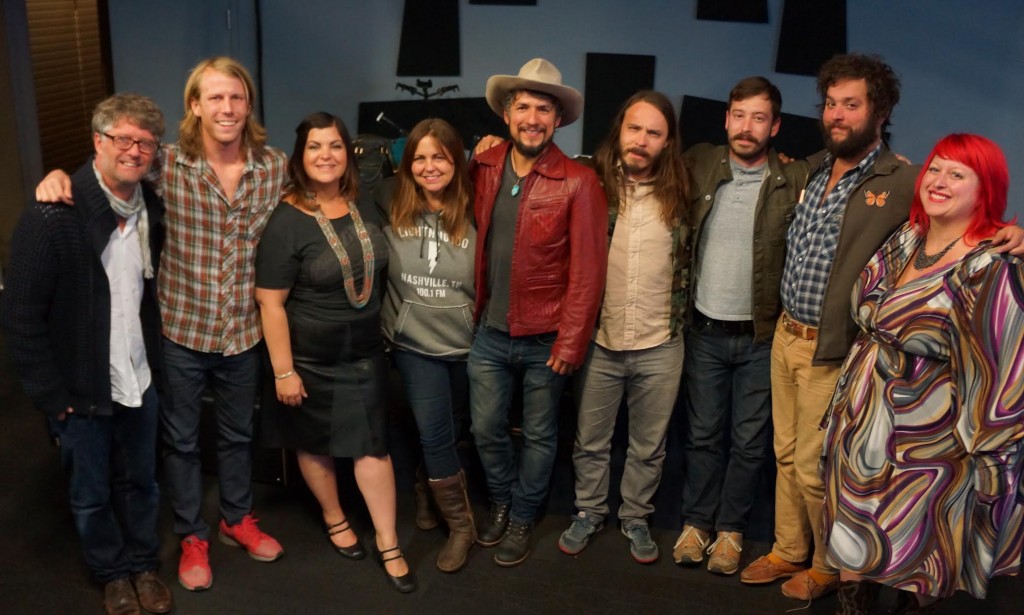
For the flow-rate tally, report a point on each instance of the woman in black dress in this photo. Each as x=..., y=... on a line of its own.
x=317, y=285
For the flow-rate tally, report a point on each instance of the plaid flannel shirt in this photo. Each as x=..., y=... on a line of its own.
x=207, y=279
x=813, y=238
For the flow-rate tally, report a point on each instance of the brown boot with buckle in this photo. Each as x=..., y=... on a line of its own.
x=453, y=502
x=426, y=518
x=119, y=598
x=154, y=596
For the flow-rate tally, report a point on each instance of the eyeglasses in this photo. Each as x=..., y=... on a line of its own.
x=125, y=143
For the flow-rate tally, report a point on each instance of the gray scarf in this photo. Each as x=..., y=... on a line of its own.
x=126, y=209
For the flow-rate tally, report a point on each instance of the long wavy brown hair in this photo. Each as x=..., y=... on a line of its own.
x=190, y=130
x=671, y=180
x=457, y=197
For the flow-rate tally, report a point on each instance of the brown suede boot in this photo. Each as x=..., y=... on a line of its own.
x=426, y=518
x=453, y=502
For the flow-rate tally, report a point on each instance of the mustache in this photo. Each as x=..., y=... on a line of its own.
x=745, y=136
x=637, y=152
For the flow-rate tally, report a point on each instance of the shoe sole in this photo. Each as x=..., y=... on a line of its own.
x=488, y=545
x=231, y=542
x=195, y=588
x=786, y=575
x=722, y=571
x=505, y=564
x=642, y=560
x=568, y=551
x=806, y=598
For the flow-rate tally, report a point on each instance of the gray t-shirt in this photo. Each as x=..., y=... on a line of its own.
x=725, y=251
x=500, y=241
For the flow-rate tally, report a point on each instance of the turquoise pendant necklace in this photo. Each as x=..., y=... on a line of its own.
x=515, y=174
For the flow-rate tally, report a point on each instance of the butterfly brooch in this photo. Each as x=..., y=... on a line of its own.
x=875, y=199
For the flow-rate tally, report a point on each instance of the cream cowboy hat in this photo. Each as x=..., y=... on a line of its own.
x=540, y=75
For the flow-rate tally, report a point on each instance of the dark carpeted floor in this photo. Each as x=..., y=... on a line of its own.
x=41, y=569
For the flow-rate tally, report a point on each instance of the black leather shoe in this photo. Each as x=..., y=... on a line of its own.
x=119, y=598
x=514, y=547
x=405, y=583
x=355, y=551
x=153, y=594
x=494, y=528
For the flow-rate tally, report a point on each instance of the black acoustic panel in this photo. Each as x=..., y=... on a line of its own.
x=703, y=121
x=751, y=11
x=430, y=39
x=611, y=78
x=812, y=31
x=472, y=117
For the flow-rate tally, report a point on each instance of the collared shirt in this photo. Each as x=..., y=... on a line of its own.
x=122, y=261
x=814, y=236
x=207, y=279
x=638, y=287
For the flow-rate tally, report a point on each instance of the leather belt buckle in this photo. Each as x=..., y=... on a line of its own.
x=799, y=329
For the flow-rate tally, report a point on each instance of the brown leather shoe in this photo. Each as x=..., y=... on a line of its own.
x=119, y=598
x=764, y=570
x=804, y=587
x=154, y=596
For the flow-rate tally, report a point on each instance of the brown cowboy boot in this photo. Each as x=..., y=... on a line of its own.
x=426, y=518
x=453, y=502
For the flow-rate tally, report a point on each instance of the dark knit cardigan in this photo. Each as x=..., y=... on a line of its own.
x=55, y=308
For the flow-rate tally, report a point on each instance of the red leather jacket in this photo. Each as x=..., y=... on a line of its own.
x=560, y=250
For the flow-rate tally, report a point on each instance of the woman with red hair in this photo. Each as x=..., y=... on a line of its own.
x=923, y=452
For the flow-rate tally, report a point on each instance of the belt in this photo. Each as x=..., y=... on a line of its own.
x=730, y=327
x=798, y=329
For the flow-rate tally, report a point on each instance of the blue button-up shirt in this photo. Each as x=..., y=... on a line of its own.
x=813, y=237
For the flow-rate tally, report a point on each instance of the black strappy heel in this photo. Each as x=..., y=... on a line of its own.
x=355, y=551
x=405, y=583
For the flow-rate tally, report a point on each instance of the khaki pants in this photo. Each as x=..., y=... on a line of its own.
x=801, y=393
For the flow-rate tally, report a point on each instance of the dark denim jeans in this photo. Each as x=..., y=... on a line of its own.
x=233, y=380
x=437, y=391
x=728, y=387
x=495, y=361
x=115, y=501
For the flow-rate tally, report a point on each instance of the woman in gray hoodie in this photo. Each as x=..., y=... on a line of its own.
x=427, y=314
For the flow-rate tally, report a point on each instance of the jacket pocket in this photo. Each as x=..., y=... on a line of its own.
x=547, y=221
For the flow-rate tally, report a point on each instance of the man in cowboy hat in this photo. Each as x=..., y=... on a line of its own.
x=540, y=269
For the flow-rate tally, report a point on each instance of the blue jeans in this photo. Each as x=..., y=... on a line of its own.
x=495, y=361
x=649, y=379
x=728, y=386
x=233, y=380
x=115, y=501
x=436, y=391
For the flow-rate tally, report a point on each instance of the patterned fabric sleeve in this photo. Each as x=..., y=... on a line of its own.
x=988, y=328
x=987, y=362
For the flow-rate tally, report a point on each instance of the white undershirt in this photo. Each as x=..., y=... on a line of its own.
x=122, y=260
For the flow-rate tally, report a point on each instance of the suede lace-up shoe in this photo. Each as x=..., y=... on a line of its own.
x=575, y=539
x=641, y=546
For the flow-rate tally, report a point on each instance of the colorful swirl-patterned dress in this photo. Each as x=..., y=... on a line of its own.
x=923, y=455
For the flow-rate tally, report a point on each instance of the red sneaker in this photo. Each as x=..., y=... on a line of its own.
x=194, y=567
x=261, y=546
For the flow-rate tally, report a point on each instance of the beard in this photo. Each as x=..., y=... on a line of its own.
x=634, y=169
x=531, y=151
x=753, y=154
x=855, y=143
